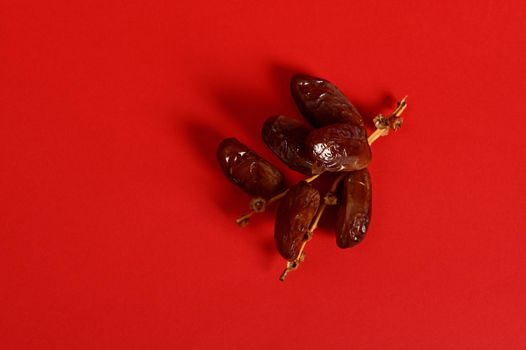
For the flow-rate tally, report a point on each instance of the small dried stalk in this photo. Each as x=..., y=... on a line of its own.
x=383, y=125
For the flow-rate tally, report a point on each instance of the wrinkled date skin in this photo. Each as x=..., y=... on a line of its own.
x=248, y=170
x=295, y=213
x=321, y=102
x=286, y=138
x=354, y=212
x=338, y=147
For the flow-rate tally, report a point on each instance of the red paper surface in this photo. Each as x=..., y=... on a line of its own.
x=117, y=226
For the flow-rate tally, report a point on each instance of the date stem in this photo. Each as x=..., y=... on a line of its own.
x=383, y=125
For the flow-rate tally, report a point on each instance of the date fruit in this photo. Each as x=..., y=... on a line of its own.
x=354, y=212
x=294, y=216
x=321, y=102
x=248, y=170
x=338, y=147
x=286, y=138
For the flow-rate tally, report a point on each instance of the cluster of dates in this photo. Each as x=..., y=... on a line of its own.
x=334, y=141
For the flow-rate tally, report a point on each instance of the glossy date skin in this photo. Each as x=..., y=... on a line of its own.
x=294, y=216
x=286, y=138
x=338, y=147
x=354, y=212
x=321, y=102
x=248, y=170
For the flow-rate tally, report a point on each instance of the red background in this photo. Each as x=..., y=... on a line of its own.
x=116, y=224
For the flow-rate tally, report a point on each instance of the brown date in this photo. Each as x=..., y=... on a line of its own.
x=286, y=138
x=295, y=213
x=338, y=147
x=248, y=170
x=354, y=212
x=321, y=102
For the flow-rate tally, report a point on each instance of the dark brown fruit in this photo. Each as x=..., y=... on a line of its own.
x=321, y=102
x=248, y=170
x=354, y=208
x=286, y=138
x=295, y=213
x=338, y=147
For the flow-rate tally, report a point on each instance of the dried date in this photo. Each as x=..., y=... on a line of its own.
x=294, y=216
x=338, y=147
x=321, y=102
x=248, y=170
x=286, y=138
x=354, y=208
